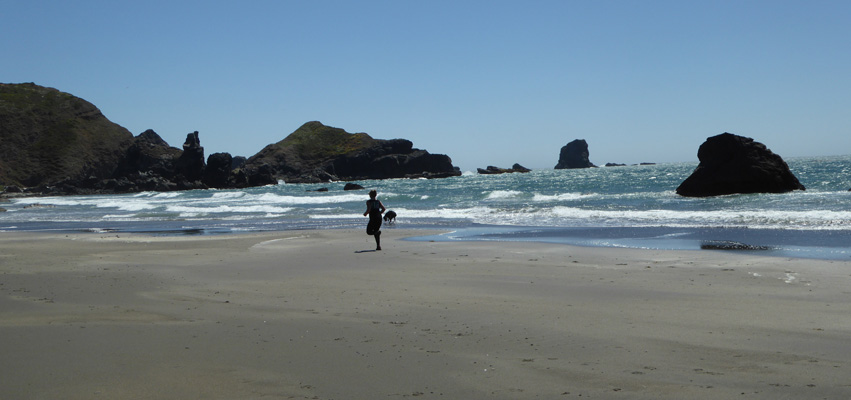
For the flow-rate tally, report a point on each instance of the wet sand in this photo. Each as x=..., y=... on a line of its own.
x=319, y=315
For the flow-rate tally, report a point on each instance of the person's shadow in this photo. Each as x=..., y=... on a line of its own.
x=366, y=251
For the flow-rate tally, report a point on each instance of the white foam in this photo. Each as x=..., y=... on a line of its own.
x=126, y=205
x=228, y=195
x=790, y=277
x=165, y=195
x=503, y=194
x=557, y=197
x=314, y=199
x=227, y=209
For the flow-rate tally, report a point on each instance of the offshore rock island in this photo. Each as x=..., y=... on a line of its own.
x=731, y=164
x=54, y=143
x=574, y=155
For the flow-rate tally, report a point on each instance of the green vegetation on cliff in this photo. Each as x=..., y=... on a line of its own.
x=47, y=136
x=316, y=141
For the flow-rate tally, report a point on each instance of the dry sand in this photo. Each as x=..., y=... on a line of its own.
x=315, y=315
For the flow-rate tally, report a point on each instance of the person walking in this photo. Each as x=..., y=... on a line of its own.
x=374, y=209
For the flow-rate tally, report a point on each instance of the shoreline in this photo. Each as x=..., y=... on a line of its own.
x=804, y=244
x=319, y=314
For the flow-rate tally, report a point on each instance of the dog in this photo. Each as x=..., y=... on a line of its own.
x=390, y=217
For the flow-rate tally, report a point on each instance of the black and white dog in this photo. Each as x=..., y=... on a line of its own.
x=390, y=217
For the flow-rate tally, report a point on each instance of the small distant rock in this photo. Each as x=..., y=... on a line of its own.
x=39, y=205
x=615, y=165
x=730, y=245
x=352, y=186
x=324, y=189
x=491, y=170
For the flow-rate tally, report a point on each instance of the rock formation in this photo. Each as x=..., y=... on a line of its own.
x=574, y=155
x=318, y=153
x=218, y=171
x=190, y=164
x=56, y=143
x=734, y=164
x=490, y=170
x=49, y=136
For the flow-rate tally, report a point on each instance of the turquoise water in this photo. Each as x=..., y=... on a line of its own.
x=633, y=206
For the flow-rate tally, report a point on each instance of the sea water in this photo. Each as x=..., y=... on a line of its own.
x=631, y=206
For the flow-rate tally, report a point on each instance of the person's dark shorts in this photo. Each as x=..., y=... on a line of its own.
x=374, y=224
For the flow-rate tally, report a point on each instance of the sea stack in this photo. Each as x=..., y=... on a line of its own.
x=735, y=164
x=574, y=155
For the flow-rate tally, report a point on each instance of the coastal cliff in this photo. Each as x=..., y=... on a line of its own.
x=49, y=136
x=52, y=142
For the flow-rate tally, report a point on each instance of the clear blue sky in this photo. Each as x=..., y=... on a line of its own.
x=486, y=82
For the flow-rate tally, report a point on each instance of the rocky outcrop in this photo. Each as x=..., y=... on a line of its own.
x=318, y=153
x=49, y=136
x=735, y=164
x=217, y=174
x=190, y=165
x=149, y=154
x=574, y=155
x=491, y=170
x=55, y=143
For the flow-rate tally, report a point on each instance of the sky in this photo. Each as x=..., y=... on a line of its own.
x=485, y=82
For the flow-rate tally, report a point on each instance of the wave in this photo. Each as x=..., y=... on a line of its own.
x=637, y=197
x=543, y=198
x=228, y=209
x=310, y=200
x=228, y=195
x=503, y=194
x=561, y=216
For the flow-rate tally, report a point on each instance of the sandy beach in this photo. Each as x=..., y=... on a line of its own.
x=319, y=315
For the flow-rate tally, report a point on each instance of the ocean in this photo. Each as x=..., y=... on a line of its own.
x=630, y=206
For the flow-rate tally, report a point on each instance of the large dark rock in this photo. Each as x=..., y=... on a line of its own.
x=319, y=153
x=218, y=171
x=148, y=154
x=574, y=155
x=191, y=164
x=735, y=164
